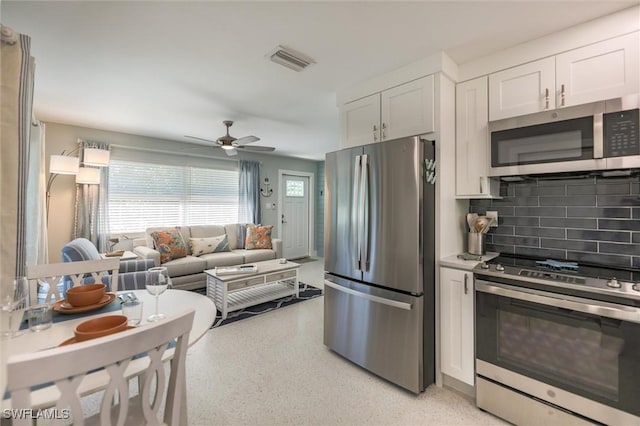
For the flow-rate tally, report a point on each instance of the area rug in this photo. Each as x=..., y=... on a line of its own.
x=306, y=292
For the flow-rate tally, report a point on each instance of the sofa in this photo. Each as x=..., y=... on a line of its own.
x=187, y=270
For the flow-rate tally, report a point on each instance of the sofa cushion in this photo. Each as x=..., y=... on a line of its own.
x=233, y=231
x=258, y=237
x=256, y=255
x=185, y=266
x=184, y=231
x=170, y=244
x=222, y=259
x=200, y=246
x=206, y=231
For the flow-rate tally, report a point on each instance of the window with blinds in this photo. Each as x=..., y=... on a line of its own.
x=144, y=195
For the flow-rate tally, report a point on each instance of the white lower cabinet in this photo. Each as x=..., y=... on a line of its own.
x=456, y=324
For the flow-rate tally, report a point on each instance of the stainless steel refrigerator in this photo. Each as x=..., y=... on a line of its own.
x=379, y=259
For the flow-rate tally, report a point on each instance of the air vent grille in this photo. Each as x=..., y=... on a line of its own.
x=290, y=58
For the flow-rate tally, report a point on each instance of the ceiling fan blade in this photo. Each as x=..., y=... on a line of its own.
x=256, y=148
x=246, y=140
x=231, y=152
x=200, y=139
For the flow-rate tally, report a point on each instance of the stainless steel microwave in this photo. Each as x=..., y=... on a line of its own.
x=596, y=136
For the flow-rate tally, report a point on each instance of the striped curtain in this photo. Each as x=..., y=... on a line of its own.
x=91, y=219
x=249, y=192
x=16, y=91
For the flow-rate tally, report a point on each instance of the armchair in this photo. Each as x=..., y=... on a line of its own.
x=131, y=274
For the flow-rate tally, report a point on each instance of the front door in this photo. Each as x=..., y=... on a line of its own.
x=295, y=216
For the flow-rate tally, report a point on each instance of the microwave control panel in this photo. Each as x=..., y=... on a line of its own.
x=621, y=137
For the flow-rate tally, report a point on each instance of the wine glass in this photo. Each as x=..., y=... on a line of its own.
x=157, y=282
x=13, y=302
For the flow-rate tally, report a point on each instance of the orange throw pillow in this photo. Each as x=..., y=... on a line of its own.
x=258, y=237
x=170, y=244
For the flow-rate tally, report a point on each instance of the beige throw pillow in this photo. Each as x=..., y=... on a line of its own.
x=200, y=246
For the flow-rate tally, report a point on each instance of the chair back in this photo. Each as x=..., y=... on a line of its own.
x=53, y=274
x=79, y=249
x=112, y=357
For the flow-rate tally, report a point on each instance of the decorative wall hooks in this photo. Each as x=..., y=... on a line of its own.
x=266, y=191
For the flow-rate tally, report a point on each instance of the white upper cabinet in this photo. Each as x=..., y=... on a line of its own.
x=472, y=141
x=360, y=121
x=605, y=70
x=404, y=110
x=600, y=71
x=407, y=109
x=521, y=90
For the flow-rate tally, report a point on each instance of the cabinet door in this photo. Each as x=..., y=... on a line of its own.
x=360, y=121
x=600, y=71
x=456, y=324
x=521, y=90
x=472, y=140
x=407, y=110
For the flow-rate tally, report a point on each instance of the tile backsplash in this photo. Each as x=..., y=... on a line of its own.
x=591, y=220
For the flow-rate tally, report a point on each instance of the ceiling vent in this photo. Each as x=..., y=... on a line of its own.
x=290, y=58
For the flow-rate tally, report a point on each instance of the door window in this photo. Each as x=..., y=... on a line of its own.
x=295, y=188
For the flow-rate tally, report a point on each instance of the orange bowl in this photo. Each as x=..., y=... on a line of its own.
x=99, y=327
x=85, y=295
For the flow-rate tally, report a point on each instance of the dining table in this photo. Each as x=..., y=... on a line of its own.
x=171, y=302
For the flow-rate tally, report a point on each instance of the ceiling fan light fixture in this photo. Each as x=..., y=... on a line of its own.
x=290, y=58
x=227, y=146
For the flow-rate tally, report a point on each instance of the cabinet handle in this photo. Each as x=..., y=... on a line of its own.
x=466, y=285
x=546, y=98
x=481, y=185
x=375, y=133
x=384, y=126
x=562, y=95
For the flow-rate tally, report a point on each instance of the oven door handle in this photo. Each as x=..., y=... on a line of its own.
x=593, y=307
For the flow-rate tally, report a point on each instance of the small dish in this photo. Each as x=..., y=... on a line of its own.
x=85, y=294
x=74, y=340
x=63, y=307
x=100, y=326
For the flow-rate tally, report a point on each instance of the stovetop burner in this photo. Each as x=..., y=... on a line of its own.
x=558, y=265
x=551, y=276
x=563, y=276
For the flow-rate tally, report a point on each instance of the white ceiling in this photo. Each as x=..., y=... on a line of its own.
x=174, y=68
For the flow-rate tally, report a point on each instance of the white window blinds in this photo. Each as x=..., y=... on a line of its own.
x=143, y=195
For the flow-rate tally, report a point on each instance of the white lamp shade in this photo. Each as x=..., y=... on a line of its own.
x=63, y=165
x=96, y=157
x=88, y=175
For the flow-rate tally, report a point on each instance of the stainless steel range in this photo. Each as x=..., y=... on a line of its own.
x=557, y=342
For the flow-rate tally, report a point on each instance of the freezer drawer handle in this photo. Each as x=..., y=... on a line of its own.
x=392, y=303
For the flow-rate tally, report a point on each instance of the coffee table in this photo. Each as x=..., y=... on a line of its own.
x=271, y=281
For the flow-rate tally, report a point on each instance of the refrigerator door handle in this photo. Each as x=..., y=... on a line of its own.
x=393, y=303
x=364, y=206
x=355, y=213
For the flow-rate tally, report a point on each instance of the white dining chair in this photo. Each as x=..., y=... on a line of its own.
x=53, y=274
x=66, y=367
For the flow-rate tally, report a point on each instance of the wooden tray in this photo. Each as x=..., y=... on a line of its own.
x=63, y=307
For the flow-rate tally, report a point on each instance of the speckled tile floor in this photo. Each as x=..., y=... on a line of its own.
x=274, y=370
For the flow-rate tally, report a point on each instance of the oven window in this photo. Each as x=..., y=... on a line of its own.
x=544, y=143
x=578, y=354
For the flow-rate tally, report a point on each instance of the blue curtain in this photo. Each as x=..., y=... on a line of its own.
x=91, y=214
x=249, y=192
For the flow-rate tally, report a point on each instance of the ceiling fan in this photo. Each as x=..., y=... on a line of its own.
x=231, y=144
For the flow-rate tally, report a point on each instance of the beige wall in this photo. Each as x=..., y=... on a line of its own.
x=61, y=137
